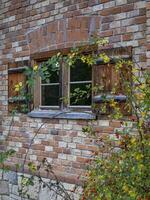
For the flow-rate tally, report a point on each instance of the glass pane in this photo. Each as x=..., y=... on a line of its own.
x=80, y=72
x=80, y=94
x=54, y=76
x=50, y=95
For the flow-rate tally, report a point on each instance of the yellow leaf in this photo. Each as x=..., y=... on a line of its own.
x=35, y=68
x=125, y=188
x=20, y=84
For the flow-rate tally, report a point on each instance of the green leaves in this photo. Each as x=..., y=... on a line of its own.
x=79, y=94
x=124, y=174
x=89, y=130
x=96, y=40
x=104, y=57
x=121, y=176
x=5, y=155
x=32, y=167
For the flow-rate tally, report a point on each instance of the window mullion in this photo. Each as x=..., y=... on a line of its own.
x=65, y=81
x=61, y=87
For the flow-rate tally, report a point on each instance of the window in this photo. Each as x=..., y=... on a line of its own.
x=73, y=90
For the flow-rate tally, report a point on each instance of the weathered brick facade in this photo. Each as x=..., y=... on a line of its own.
x=33, y=26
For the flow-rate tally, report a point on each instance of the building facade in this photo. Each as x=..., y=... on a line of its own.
x=33, y=30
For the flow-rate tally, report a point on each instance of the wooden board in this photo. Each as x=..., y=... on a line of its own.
x=14, y=79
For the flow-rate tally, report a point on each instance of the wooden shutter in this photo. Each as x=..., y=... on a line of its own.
x=15, y=75
x=106, y=76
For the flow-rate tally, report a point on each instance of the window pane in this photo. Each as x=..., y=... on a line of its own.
x=50, y=95
x=80, y=72
x=80, y=94
x=54, y=76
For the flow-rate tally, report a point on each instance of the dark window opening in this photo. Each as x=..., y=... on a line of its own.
x=80, y=84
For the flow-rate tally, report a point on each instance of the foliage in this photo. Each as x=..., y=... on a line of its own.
x=122, y=175
x=79, y=94
x=53, y=184
x=121, y=169
x=3, y=157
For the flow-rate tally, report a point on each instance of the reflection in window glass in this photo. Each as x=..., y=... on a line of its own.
x=80, y=84
x=80, y=94
x=54, y=77
x=80, y=72
x=50, y=95
x=50, y=88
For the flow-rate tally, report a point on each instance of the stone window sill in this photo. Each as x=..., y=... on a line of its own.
x=55, y=114
x=67, y=114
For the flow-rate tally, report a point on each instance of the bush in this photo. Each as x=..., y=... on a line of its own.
x=122, y=172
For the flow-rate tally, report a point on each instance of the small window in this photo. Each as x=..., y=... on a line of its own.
x=75, y=86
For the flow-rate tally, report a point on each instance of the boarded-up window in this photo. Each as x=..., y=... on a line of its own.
x=15, y=76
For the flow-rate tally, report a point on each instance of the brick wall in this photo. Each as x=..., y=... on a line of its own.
x=10, y=185
x=60, y=141
x=33, y=26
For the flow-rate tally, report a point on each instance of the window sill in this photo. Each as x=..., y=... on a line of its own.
x=55, y=114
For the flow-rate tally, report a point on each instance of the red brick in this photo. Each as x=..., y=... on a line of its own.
x=139, y=20
x=106, y=33
x=85, y=147
x=108, y=19
x=115, y=124
x=38, y=147
x=113, y=11
x=127, y=8
x=83, y=160
x=104, y=1
x=72, y=7
x=66, y=151
x=52, y=155
x=83, y=5
x=127, y=37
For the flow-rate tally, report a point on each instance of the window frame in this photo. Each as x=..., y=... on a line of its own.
x=62, y=90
